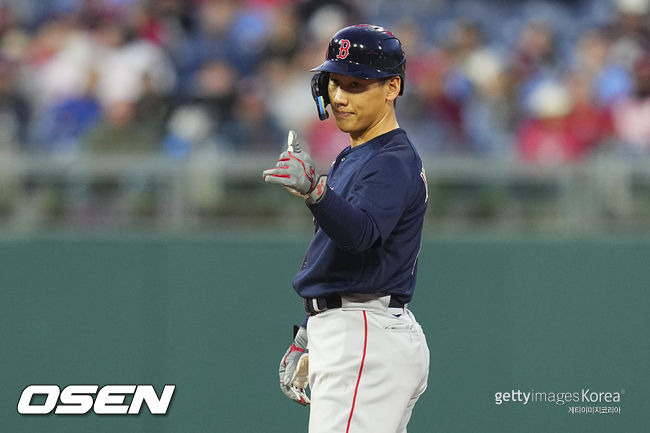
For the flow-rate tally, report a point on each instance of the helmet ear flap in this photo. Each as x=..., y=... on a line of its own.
x=319, y=83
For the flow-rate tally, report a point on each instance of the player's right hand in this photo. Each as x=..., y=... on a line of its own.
x=294, y=369
x=294, y=169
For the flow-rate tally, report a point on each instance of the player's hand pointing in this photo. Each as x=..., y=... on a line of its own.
x=295, y=170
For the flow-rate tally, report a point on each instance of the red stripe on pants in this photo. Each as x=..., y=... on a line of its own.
x=363, y=359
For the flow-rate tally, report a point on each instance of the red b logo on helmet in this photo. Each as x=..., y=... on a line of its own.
x=344, y=49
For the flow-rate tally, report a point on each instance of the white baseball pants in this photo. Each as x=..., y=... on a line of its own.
x=367, y=367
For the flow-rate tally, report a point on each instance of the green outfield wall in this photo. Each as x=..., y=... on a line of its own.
x=213, y=316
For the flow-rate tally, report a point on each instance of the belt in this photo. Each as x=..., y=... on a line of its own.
x=314, y=306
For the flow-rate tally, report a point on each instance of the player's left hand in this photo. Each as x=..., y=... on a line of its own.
x=294, y=369
x=295, y=170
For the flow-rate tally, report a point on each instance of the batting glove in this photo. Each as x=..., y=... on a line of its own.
x=295, y=171
x=294, y=369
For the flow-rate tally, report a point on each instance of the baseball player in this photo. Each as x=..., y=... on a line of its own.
x=360, y=349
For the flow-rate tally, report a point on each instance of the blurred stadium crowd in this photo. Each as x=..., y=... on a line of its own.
x=540, y=81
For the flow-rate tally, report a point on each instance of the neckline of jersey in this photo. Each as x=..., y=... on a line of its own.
x=376, y=140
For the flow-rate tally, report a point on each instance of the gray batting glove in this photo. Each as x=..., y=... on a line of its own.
x=295, y=170
x=294, y=369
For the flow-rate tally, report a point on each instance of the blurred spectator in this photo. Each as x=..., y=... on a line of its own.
x=632, y=115
x=555, y=133
x=442, y=91
x=216, y=86
x=208, y=107
x=489, y=116
x=429, y=134
x=14, y=111
x=6, y=18
x=251, y=128
x=535, y=58
x=630, y=31
x=590, y=122
x=289, y=99
x=284, y=38
x=609, y=81
x=323, y=18
x=120, y=133
x=59, y=59
x=228, y=31
x=535, y=51
x=124, y=62
x=146, y=25
x=465, y=39
x=60, y=126
x=14, y=40
x=152, y=107
x=190, y=130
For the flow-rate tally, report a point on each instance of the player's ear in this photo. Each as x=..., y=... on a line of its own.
x=393, y=86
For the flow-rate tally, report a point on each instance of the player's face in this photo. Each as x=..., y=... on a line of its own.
x=360, y=105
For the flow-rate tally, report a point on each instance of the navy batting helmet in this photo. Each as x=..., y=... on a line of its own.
x=362, y=51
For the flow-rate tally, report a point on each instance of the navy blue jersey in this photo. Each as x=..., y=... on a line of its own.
x=369, y=222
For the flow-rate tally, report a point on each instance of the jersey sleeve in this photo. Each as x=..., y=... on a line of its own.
x=372, y=208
